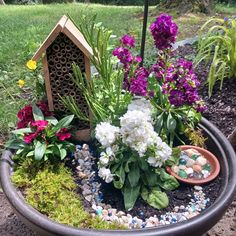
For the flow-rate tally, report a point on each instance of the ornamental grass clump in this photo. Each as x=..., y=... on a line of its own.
x=217, y=44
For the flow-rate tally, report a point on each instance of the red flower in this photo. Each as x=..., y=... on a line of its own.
x=25, y=115
x=22, y=124
x=44, y=108
x=28, y=138
x=63, y=134
x=39, y=124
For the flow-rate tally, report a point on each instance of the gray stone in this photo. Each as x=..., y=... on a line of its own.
x=89, y=198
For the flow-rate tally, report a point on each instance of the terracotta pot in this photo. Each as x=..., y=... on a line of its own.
x=212, y=159
x=195, y=226
x=83, y=135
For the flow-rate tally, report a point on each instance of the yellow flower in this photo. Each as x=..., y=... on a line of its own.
x=21, y=83
x=31, y=64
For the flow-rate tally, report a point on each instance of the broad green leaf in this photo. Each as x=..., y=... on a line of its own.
x=30, y=154
x=52, y=120
x=159, y=122
x=55, y=150
x=63, y=123
x=143, y=164
x=37, y=113
x=128, y=162
x=134, y=175
x=22, y=131
x=174, y=157
x=144, y=193
x=169, y=182
x=150, y=178
x=14, y=144
x=171, y=123
x=130, y=196
x=48, y=151
x=158, y=199
x=63, y=153
x=120, y=177
x=19, y=151
x=39, y=151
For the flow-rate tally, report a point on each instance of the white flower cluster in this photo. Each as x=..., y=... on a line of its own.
x=137, y=132
x=141, y=104
x=161, y=154
x=105, y=174
x=106, y=133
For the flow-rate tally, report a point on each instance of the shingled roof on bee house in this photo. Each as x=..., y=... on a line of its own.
x=63, y=46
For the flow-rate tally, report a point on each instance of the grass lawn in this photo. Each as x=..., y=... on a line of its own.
x=23, y=28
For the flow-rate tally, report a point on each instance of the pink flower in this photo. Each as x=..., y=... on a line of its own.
x=63, y=134
x=28, y=138
x=39, y=124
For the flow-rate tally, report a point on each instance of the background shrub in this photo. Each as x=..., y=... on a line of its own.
x=122, y=2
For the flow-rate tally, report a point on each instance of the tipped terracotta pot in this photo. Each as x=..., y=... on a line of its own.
x=211, y=158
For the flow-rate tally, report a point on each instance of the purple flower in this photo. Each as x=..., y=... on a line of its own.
x=176, y=98
x=138, y=59
x=127, y=40
x=159, y=69
x=191, y=96
x=124, y=55
x=139, y=83
x=200, y=106
x=164, y=31
x=151, y=93
x=187, y=65
x=139, y=86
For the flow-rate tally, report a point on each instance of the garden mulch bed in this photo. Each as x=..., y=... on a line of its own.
x=221, y=106
x=221, y=112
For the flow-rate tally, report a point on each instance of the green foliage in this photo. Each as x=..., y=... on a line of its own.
x=171, y=121
x=135, y=177
x=195, y=137
x=46, y=143
x=104, y=93
x=218, y=46
x=157, y=199
x=52, y=191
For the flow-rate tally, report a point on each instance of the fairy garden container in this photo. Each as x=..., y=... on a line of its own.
x=134, y=176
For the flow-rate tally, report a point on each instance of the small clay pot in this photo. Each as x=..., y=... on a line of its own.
x=213, y=161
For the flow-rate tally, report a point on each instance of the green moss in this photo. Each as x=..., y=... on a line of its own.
x=52, y=192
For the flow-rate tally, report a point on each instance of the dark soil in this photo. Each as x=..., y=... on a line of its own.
x=178, y=197
x=221, y=106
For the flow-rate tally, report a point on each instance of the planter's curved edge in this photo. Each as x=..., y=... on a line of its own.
x=193, y=226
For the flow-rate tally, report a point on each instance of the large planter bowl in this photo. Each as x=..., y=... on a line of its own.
x=198, y=225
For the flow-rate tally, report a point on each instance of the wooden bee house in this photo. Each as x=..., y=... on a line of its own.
x=63, y=46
